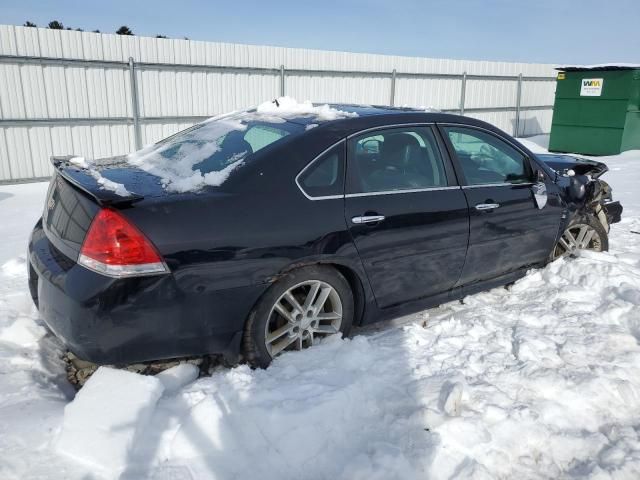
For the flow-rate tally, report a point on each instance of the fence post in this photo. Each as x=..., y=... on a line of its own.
x=282, y=80
x=392, y=96
x=135, y=112
x=463, y=92
x=516, y=127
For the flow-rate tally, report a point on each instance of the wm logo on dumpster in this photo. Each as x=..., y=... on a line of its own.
x=591, y=87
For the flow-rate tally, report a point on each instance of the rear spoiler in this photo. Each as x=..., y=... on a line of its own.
x=87, y=180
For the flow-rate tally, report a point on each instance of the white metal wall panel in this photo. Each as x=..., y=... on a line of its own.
x=333, y=88
x=19, y=152
x=11, y=101
x=100, y=92
x=55, y=84
x=490, y=93
x=538, y=93
x=438, y=93
x=40, y=148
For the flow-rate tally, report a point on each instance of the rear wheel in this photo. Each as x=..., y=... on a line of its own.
x=583, y=233
x=296, y=312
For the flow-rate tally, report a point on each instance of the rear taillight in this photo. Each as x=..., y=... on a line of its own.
x=115, y=247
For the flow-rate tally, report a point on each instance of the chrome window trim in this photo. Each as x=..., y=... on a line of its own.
x=308, y=165
x=408, y=190
x=504, y=184
x=393, y=125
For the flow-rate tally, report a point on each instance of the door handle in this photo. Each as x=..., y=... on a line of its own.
x=367, y=219
x=487, y=206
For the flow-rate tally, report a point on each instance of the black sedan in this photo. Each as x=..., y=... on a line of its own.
x=265, y=230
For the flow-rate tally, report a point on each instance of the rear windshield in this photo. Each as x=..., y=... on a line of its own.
x=208, y=152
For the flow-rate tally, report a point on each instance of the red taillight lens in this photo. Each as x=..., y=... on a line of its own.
x=114, y=246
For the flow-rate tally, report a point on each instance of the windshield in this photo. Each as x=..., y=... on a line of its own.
x=208, y=152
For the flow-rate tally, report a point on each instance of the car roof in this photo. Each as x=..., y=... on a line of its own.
x=380, y=114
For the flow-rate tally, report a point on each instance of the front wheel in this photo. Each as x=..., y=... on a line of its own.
x=296, y=312
x=583, y=233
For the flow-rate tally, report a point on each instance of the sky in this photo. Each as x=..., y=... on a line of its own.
x=534, y=31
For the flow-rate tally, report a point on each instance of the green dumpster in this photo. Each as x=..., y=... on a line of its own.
x=596, y=110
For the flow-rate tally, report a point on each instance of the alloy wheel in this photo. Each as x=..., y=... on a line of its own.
x=302, y=315
x=578, y=237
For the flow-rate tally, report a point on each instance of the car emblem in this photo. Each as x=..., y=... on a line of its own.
x=51, y=203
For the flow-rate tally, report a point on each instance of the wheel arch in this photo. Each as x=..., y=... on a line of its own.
x=349, y=272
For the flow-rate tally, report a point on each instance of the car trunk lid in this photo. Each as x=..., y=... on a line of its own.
x=77, y=191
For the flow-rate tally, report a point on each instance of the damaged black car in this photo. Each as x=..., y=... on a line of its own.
x=258, y=233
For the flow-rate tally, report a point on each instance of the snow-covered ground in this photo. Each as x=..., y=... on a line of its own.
x=541, y=380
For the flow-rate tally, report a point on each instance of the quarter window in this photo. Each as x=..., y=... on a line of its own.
x=325, y=176
x=486, y=159
x=396, y=159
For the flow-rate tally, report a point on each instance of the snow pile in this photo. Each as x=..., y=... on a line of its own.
x=174, y=378
x=100, y=425
x=105, y=183
x=538, y=380
x=287, y=107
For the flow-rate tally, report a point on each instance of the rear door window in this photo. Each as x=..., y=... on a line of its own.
x=405, y=158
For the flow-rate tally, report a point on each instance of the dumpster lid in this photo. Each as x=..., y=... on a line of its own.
x=601, y=66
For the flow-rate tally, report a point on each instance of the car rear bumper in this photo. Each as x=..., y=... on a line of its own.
x=122, y=321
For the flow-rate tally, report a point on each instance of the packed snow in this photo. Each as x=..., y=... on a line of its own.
x=538, y=380
x=105, y=183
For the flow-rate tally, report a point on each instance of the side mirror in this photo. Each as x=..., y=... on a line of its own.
x=578, y=187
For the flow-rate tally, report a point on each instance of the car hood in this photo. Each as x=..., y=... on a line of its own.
x=580, y=165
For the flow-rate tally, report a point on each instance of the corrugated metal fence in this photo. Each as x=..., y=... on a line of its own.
x=95, y=95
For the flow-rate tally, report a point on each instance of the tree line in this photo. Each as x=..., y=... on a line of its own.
x=57, y=25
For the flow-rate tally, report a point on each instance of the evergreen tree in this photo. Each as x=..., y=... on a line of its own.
x=56, y=25
x=124, y=30
x=29, y=24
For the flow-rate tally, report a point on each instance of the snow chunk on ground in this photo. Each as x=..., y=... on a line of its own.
x=100, y=424
x=23, y=331
x=175, y=378
x=287, y=107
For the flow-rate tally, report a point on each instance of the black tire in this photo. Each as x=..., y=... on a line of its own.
x=254, y=347
x=592, y=222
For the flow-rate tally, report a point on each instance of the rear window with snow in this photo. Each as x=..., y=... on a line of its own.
x=207, y=153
